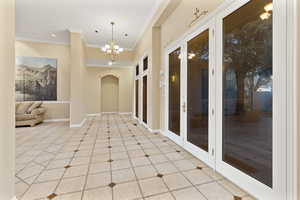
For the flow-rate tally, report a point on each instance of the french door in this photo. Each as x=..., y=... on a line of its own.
x=190, y=94
x=199, y=97
x=225, y=99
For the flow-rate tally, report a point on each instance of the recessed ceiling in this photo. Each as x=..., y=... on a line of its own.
x=50, y=20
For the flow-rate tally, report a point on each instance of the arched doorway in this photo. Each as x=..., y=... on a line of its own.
x=110, y=94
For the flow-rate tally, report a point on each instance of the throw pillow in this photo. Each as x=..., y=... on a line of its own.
x=35, y=105
x=23, y=107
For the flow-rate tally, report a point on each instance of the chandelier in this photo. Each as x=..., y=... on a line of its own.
x=112, y=49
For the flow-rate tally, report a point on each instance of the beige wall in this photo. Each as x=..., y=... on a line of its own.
x=178, y=22
x=93, y=89
x=7, y=98
x=61, y=108
x=77, y=87
x=171, y=22
x=56, y=110
x=110, y=94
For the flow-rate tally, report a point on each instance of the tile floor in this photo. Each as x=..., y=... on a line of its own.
x=111, y=158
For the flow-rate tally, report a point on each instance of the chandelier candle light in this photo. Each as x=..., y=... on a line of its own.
x=112, y=49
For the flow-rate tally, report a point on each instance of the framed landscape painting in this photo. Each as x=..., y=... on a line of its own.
x=36, y=79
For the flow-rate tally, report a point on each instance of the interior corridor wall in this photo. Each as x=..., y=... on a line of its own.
x=170, y=22
x=7, y=99
x=78, y=108
x=93, y=90
x=59, y=109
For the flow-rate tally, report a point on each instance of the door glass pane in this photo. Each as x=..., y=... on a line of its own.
x=145, y=99
x=145, y=63
x=197, y=92
x=174, y=91
x=137, y=98
x=137, y=70
x=247, y=90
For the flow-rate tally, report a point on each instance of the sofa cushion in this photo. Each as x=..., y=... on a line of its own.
x=38, y=111
x=35, y=105
x=24, y=117
x=23, y=107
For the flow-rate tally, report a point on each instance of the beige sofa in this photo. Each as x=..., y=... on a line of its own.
x=29, y=113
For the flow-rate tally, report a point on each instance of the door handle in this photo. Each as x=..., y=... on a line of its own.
x=184, y=107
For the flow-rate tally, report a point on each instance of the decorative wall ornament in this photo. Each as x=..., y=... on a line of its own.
x=197, y=15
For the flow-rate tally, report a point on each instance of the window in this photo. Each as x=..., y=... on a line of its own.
x=247, y=90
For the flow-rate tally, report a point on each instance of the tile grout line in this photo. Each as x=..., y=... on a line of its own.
x=132, y=166
x=90, y=158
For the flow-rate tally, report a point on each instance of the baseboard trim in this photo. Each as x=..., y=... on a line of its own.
x=110, y=113
x=125, y=113
x=78, y=125
x=94, y=115
x=57, y=120
x=156, y=131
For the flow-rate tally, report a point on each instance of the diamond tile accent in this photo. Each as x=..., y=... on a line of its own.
x=112, y=185
x=51, y=196
x=237, y=198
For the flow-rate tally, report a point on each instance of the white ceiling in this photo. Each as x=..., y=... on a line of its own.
x=36, y=20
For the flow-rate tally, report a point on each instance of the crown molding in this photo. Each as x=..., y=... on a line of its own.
x=41, y=41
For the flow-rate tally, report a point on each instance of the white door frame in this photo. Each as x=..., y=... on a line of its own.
x=206, y=157
x=252, y=185
x=177, y=139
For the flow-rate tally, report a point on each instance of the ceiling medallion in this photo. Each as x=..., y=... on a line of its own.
x=112, y=49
